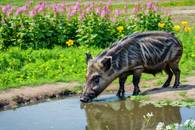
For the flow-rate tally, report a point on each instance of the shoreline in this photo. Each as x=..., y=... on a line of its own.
x=13, y=98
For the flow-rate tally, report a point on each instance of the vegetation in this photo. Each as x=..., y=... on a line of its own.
x=44, y=26
x=187, y=125
x=145, y=99
x=44, y=44
x=117, y=5
x=28, y=67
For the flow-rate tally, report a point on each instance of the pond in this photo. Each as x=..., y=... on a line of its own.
x=106, y=113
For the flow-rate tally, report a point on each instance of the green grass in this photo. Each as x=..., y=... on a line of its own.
x=178, y=3
x=30, y=67
x=187, y=102
x=182, y=93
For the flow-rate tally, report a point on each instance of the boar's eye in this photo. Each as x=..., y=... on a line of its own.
x=96, y=79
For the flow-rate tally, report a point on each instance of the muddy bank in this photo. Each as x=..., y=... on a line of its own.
x=30, y=95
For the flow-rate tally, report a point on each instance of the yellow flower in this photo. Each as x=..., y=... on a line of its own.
x=176, y=28
x=184, y=23
x=120, y=28
x=161, y=25
x=187, y=29
x=70, y=42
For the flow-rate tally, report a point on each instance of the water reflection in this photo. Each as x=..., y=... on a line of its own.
x=127, y=115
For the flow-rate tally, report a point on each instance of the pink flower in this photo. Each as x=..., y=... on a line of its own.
x=56, y=8
x=105, y=11
x=113, y=19
x=109, y=2
x=21, y=9
x=33, y=13
x=41, y=7
x=82, y=15
x=6, y=8
x=98, y=10
x=72, y=13
x=155, y=8
x=135, y=9
x=149, y=5
x=77, y=6
x=10, y=11
x=117, y=12
x=63, y=7
x=88, y=9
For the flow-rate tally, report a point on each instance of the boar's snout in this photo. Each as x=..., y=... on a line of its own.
x=85, y=99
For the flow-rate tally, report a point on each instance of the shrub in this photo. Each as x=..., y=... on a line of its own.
x=44, y=26
x=149, y=18
x=37, y=32
x=95, y=31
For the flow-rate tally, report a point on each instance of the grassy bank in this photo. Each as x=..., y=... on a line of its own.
x=30, y=67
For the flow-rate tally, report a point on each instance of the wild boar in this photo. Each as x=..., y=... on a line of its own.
x=145, y=52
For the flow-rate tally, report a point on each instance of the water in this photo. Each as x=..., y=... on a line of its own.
x=106, y=113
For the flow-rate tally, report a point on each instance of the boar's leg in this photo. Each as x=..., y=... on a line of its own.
x=121, y=91
x=176, y=71
x=170, y=75
x=136, y=79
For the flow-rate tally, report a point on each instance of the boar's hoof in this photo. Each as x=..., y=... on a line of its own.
x=176, y=86
x=165, y=85
x=136, y=92
x=120, y=93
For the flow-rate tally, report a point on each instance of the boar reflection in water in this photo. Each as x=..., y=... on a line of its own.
x=127, y=115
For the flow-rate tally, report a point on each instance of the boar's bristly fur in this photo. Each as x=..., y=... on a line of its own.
x=146, y=52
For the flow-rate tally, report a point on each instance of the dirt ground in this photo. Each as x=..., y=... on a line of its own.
x=157, y=93
x=181, y=13
x=186, y=90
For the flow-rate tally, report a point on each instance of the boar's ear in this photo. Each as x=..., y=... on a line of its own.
x=106, y=63
x=88, y=57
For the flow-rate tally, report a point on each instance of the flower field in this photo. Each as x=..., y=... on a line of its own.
x=47, y=42
x=45, y=25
